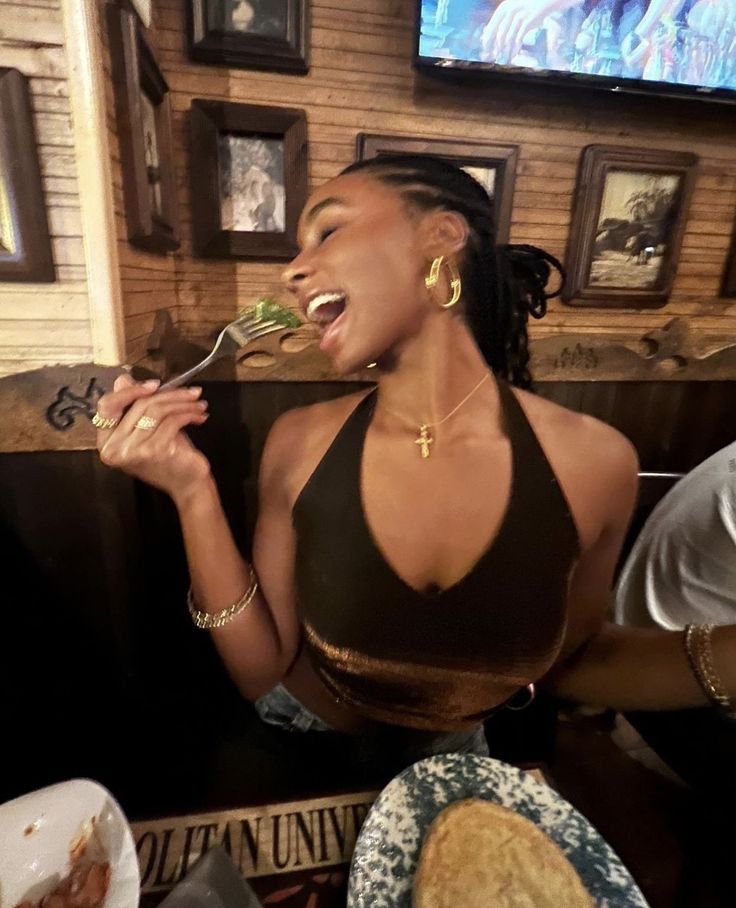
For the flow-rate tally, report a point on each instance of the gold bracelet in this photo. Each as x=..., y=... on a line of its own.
x=700, y=656
x=206, y=621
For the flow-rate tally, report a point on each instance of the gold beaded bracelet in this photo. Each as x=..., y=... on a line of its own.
x=207, y=621
x=700, y=656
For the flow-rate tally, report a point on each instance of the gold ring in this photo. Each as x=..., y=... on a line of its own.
x=146, y=422
x=104, y=422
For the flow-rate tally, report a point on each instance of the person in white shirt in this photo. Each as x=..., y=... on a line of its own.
x=682, y=568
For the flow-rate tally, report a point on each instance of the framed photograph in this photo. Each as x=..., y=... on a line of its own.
x=249, y=179
x=494, y=166
x=144, y=131
x=25, y=246
x=252, y=34
x=729, y=276
x=627, y=228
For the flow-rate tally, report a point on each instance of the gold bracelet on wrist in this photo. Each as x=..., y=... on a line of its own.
x=206, y=621
x=698, y=646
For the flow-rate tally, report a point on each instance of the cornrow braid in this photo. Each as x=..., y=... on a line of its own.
x=503, y=285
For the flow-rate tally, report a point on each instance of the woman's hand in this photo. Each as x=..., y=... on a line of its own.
x=511, y=23
x=162, y=456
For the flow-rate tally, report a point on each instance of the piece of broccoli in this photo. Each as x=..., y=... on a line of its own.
x=268, y=309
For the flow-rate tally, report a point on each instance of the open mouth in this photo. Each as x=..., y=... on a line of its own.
x=326, y=308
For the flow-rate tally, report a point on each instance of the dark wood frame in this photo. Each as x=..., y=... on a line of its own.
x=251, y=51
x=729, y=275
x=595, y=164
x=134, y=70
x=478, y=154
x=210, y=119
x=32, y=260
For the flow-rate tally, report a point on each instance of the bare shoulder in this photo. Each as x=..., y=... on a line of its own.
x=579, y=436
x=596, y=464
x=299, y=438
x=307, y=425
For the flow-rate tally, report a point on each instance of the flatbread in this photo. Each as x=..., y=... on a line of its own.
x=480, y=855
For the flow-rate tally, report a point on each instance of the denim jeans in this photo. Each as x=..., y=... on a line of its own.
x=393, y=743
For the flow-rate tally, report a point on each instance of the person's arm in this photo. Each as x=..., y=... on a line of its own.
x=629, y=668
x=259, y=644
x=603, y=664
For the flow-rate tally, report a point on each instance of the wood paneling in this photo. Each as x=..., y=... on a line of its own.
x=361, y=80
x=42, y=324
x=148, y=280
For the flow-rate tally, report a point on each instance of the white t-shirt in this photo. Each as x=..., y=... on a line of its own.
x=682, y=568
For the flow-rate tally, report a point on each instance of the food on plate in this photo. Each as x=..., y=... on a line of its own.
x=85, y=887
x=478, y=854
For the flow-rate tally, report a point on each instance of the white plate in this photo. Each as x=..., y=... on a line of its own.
x=38, y=830
x=387, y=851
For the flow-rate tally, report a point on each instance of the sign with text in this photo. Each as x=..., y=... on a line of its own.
x=262, y=841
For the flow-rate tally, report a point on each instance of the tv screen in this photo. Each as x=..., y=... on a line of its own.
x=675, y=46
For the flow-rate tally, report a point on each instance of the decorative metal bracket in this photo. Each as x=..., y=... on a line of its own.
x=62, y=413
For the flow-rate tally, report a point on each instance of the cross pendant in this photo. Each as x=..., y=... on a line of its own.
x=424, y=441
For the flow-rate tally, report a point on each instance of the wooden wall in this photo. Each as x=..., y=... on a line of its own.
x=41, y=324
x=148, y=280
x=361, y=80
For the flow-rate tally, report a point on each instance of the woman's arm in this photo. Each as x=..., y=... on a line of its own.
x=625, y=668
x=630, y=668
x=258, y=646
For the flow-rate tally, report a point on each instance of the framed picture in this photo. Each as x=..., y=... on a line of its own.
x=25, y=246
x=729, y=276
x=494, y=166
x=628, y=222
x=144, y=132
x=252, y=34
x=249, y=179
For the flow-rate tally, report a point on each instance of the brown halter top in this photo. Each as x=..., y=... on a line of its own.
x=443, y=661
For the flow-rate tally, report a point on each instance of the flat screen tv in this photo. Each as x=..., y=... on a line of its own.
x=678, y=47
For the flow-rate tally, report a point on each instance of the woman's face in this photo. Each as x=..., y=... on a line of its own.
x=360, y=274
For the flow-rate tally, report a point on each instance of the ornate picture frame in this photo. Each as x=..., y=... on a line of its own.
x=271, y=35
x=249, y=179
x=143, y=113
x=493, y=165
x=25, y=244
x=628, y=222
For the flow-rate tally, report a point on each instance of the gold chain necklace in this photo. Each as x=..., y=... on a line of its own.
x=425, y=439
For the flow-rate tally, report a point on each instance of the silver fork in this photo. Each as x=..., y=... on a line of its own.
x=233, y=337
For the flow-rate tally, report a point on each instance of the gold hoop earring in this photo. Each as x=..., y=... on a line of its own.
x=432, y=279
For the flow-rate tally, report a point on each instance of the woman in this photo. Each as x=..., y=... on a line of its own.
x=429, y=550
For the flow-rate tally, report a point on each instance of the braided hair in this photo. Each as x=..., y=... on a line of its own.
x=503, y=285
